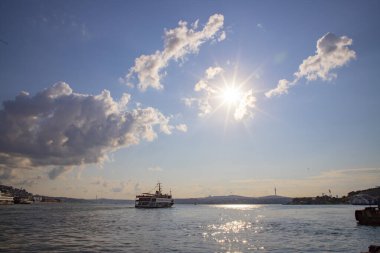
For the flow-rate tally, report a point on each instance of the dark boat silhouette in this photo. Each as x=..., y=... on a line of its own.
x=368, y=216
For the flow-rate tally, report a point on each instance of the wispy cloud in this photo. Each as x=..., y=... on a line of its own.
x=155, y=169
x=113, y=186
x=19, y=177
x=59, y=128
x=178, y=43
x=260, y=26
x=181, y=127
x=332, y=52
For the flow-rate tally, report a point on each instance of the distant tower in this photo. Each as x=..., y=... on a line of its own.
x=275, y=191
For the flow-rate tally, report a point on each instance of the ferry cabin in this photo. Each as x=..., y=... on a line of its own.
x=144, y=201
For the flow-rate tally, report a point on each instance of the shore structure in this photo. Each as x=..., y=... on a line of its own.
x=5, y=199
x=154, y=200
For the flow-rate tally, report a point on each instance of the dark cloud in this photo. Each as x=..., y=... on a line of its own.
x=6, y=174
x=56, y=172
x=60, y=128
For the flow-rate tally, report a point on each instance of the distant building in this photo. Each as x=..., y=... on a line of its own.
x=363, y=199
x=37, y=198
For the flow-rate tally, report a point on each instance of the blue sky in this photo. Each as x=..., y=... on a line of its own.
x=319, y=131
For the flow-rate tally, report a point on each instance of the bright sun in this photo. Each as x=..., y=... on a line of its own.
x=231, y=95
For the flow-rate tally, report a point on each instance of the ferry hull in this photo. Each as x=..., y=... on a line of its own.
x=154, y=206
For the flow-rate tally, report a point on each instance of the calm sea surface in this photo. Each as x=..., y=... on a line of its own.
x=183, y=228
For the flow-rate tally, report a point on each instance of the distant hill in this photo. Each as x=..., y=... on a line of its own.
x=374, y=192
x=235, y=199
x=362, y=197
x=15, y=192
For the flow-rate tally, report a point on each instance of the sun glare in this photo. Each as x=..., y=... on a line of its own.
x=231, y=95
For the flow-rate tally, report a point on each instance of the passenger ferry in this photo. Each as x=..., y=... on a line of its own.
x=154, y=200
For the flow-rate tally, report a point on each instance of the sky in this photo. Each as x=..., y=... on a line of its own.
x=106, y=98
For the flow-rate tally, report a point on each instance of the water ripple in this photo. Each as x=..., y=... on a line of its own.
x=184, y=228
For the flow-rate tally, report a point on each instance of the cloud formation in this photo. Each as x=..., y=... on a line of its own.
x=59, y=128
x=211, y=93
x=332, y=52
x=58, y=171
x=178, y=43
x=245, y=106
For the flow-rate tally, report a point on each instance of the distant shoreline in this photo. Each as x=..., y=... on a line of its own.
x=369, y=196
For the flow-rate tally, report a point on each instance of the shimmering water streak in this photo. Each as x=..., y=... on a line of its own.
x=184, y=228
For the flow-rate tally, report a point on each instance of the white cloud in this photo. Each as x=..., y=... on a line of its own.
x=58, y=128
x=155, y=169
x=247, y=102
x=212, y=91
x=332, y=52
x=282, y=88
x=189, y=101
x=211, y=72
x=204, y=86
x=181, y=127
x=178, y=43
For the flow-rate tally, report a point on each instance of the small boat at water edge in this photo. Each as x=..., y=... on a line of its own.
x=155, y=200
x=368, y=216
x=373, y=249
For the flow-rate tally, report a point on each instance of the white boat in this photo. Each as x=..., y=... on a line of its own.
x=6, y=200
x=154, y=200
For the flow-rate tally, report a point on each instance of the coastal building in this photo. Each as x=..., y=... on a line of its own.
x=6, y=199
x=363, y=199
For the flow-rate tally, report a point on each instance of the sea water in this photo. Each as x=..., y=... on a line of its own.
x=183, y=228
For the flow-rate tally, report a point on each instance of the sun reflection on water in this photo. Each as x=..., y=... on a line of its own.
x=243, y=207
x=231, y=227
x=235, y=235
